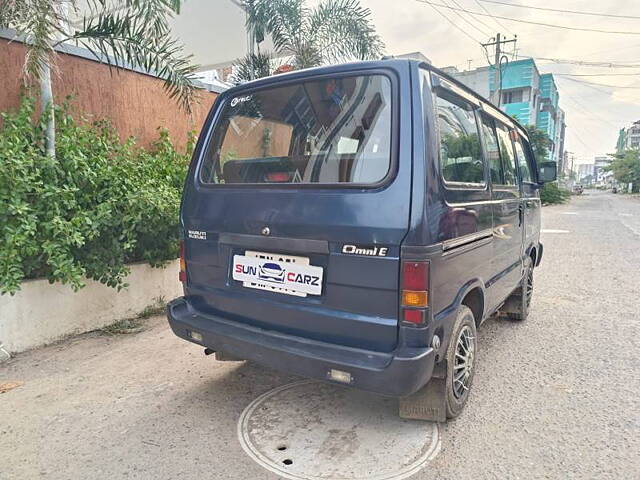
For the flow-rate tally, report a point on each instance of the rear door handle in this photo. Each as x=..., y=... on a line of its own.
x=520, y=214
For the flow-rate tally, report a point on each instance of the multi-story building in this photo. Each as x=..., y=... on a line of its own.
x=629, y=137
x=586, y=173
x=521, y=90
x=602, y=176
x=526, y=94
x=477, y=80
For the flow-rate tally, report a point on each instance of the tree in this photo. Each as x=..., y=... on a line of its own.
x=253, y=65
x=134, y=32
x=539, y=141
x=332, y=31
x=550, y=193
x=626, y=168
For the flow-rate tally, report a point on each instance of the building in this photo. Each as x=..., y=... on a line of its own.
x=629, y=137
x=414, y=56
x=477, y=80
x=212, y=32
x=601, y=176
x=526, y=94
x=586, y=173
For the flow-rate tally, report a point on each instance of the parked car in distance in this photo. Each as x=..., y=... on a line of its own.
x=356, y=224
x=578, y=189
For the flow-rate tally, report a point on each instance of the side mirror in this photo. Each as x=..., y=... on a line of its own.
x=547, y=172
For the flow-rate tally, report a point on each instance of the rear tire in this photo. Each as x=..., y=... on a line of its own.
x=446, y=395
x=461, y=354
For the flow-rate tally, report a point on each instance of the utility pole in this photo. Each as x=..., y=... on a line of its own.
x=498, y=42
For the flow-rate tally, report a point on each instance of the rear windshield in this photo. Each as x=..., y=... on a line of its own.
x=326, y=131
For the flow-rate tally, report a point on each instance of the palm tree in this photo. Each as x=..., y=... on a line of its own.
x=119, y=32
x=332, y=31
x=252, y=65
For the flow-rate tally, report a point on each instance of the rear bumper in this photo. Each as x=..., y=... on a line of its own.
x=397, y=374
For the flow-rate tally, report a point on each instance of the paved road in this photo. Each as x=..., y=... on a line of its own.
x=554, y=397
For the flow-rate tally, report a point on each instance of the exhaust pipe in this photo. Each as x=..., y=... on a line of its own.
x=208, y=351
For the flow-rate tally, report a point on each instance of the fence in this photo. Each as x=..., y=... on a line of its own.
x=134, y=101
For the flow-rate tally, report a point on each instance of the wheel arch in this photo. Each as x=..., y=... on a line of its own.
x=471, y=294
x=533, y=253
x=474, y=299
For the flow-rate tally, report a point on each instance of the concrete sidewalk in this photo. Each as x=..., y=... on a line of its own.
x=145, y=405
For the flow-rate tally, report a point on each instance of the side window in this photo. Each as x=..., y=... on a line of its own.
x=523, y=163
x=491, y=146
x=507, y=156
x=460, y=148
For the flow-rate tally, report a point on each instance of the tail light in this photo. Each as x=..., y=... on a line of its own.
x=183, y=266
x=415, y=292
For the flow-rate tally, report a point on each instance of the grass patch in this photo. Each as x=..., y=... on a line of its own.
x=153, y=309
x=123, y=327
x=551, y=194
x=135, y=324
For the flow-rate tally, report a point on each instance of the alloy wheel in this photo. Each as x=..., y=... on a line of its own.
x=463, y=363
x=529, y=288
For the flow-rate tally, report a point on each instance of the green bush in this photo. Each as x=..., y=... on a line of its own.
x=97, y=206
x=551, y=194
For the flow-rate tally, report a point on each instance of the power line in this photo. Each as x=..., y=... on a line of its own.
x=465, y=19
x=455, y=25
x=597, y=74
x=573, y=132
x=550, y=25
x=616, y=50
x=577, y=12
x=588, y=111
x=586, y=63
x=588, y=85
x=500, y=24
x=597, y=89
x=602, y=84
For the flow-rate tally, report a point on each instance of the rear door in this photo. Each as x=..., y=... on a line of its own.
x=298, y=205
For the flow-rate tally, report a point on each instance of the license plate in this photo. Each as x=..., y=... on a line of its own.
x=285, y=274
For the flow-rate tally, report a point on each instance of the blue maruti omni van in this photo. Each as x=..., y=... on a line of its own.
x=356, y=224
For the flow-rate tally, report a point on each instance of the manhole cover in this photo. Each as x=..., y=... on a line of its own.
x=312, y=430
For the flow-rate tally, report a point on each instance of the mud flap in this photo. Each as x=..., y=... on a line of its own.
x=512, y=308
x=512, y=305
x=428, y=403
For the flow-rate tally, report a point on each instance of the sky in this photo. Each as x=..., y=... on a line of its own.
x=594, y=114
